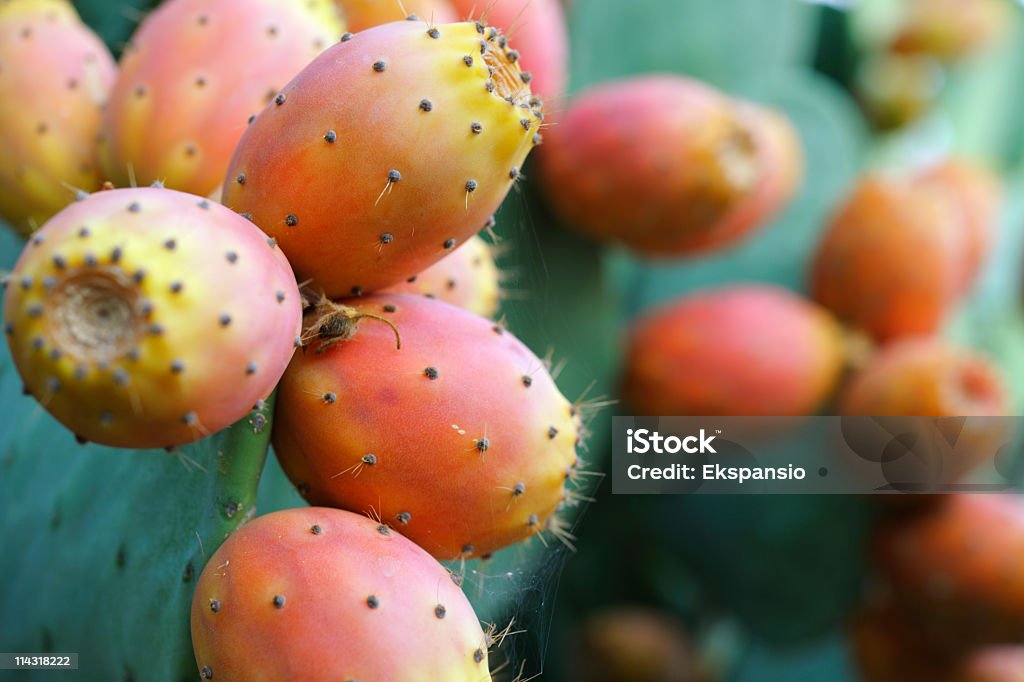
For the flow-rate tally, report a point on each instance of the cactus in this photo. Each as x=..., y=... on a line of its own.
x=131, y=317
x=324, y=594
x=49, y=113
x=458, y=437
x=697, y=356
x=427, y=141
x=178, y=121
x=468, y=278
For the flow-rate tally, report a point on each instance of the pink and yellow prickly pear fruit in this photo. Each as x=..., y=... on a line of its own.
x=468, y=278
x=743, y=350
x=539, y=30
x=459, y=439
x=363, y=14
x=150, y=318
x=324, y=595
x=55, y=75
x=177, y=120
x=668, y=166
x=367, y=189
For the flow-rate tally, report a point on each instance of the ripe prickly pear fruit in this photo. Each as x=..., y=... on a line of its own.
x=894, y=258
x=178, y=120
x=55, y=75
x=322, y=595
x=468, y=278
x=366, y=190
x=741, y=350
x=540, y=32
x=926, y=377
x=668, y=166
x=949, y=29
x=459, y=438
x=363, y=14
x=150, y=318
x=886, y=647
x=955, y=568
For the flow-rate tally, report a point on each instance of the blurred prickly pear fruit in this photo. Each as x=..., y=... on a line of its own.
x=977, y=196
x=635, y=644
x=323, y=595
x=366, y=190
x=896, y=90
x=539, y=30
x=926, y=377
x=363, y=14
x=178, y=120
x=742, y=350
x=468, y=278
x=668, y=166
x=55, y=75
x=955, y=568
x=147, y=317
x=894, y=259
x=459, y=438
x=886, y=647
x=951, y=29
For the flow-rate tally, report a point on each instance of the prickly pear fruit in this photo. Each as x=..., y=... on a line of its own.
x=363, y=14
x=954, y=568
x=668, y=166
x=977, y=197
x=55, y=75
x=320, y=594
x=149, y=318
x=468, y=278
x=894, y=258
x=426, y=142
x=741, y=350
x=459, y=439
x=949, y=29
x=896, y=90
x=539, y=29
x=888, y=648
x=926, y=377
x=178, y=120
x=640, y=645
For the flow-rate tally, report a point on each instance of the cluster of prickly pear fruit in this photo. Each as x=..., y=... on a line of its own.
x=49, y=113
x=151, y=317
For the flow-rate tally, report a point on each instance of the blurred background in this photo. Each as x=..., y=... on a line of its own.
x=666, y=588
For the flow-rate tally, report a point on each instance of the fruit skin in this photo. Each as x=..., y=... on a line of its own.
x=55, y=79
x=150, y=318
x=893, y=260
x=363, y=14
x=539, y=30
x=417, y=180
x=178, y=120
x=888, y=648
x=468, y=278
x=464, y=463
x=746, y=349
x=954, y=568
x=323, y=594
x=668, y=166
